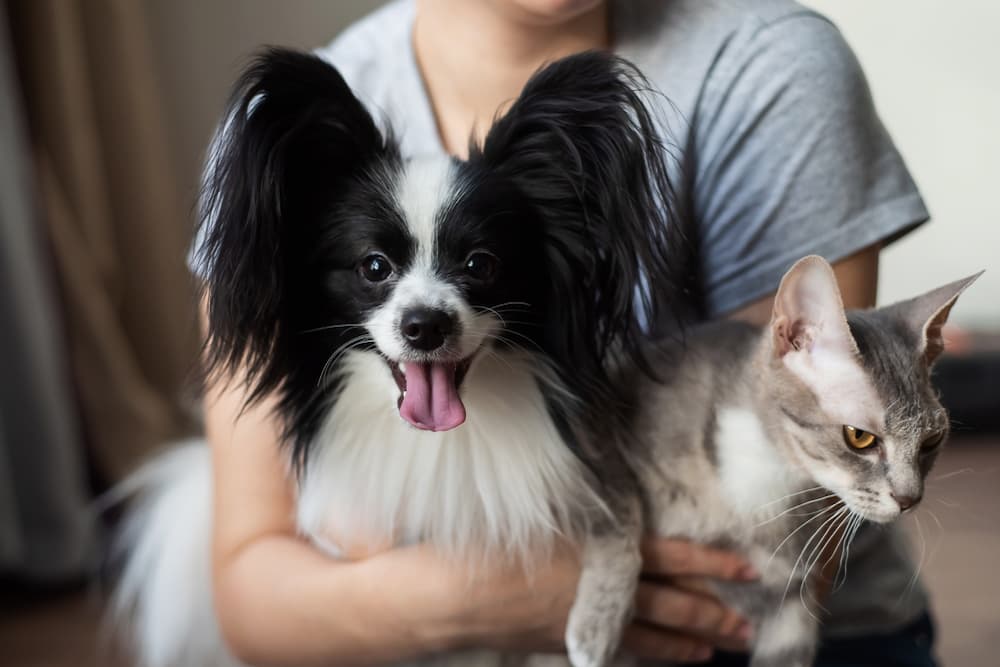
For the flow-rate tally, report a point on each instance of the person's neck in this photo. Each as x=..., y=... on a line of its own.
x=476, y=56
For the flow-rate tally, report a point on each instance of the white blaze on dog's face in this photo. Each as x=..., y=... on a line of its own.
x=324, y=240
x=439, y=282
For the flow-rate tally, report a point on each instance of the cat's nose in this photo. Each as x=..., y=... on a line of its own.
x=905, y=502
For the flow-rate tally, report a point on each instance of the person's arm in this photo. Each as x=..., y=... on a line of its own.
x=857, y=277
x=279, y=601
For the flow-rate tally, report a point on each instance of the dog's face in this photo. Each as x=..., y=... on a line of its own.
x=321, y=239
x=436, y=261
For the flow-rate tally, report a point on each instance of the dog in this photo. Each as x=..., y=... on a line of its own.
x=446, y=338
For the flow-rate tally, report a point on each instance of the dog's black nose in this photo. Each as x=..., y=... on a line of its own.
x=426, y=328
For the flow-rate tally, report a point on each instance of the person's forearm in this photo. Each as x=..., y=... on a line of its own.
x=312, y=610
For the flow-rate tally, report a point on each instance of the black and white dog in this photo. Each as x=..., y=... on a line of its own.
x=444, y=335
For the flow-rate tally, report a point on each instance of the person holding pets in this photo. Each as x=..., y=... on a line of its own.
x=778, y=152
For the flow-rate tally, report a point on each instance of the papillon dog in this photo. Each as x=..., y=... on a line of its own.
x=446, y=338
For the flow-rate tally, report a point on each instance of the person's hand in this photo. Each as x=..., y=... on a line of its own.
x=677, y=618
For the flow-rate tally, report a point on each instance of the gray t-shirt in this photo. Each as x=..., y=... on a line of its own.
x=783, y=156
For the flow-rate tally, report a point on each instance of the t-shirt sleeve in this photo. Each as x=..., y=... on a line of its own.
x=790, y=159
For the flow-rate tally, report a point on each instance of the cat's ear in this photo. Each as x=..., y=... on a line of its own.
x=808, y=314
x=927, y=314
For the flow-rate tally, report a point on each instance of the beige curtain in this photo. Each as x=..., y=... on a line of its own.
x=115, y=219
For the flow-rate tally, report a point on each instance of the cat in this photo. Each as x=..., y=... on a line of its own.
x=822, y=411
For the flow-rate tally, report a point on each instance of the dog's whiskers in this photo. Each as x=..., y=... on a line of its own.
x=331, y=326
x=340, y=351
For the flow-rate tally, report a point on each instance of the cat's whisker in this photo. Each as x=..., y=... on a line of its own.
x=833, y=532
x=787, y=497
x=926, y=555
x=844, y=544
x=846, y=553
x=936, y=519
x=796, y=530
x=920, y=562
x=795, y=507
x=816, y=533
x=843, y=530
x=954, y=473
x=795, y=566
x=950, y=504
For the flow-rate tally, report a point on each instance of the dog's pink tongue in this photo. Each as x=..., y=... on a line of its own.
x=431, y=401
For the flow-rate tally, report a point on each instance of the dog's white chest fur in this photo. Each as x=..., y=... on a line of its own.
x=503, y=481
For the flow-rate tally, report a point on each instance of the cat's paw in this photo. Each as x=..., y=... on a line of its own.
x=592, y=641
x=598, y=619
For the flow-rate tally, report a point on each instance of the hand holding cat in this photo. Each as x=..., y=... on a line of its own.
x=677, y=619
x=675, y=610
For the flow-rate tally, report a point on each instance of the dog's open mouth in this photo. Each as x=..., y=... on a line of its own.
x=428, y=392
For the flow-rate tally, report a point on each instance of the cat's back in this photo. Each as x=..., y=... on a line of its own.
x=706, y=374
x=706, y=367
x=707, y=353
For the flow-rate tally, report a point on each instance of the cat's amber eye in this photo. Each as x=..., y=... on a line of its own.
x=858, y=439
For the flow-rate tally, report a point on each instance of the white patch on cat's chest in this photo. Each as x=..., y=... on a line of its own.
x=784, y=631
x=752, y=471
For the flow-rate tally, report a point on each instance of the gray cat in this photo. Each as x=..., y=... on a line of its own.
x=776, y=441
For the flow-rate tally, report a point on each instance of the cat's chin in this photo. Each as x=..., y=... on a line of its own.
x=877, y=514
x=883, y=517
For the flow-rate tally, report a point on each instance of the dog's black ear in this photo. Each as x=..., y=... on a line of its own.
x=294, y=134
x=583, y=145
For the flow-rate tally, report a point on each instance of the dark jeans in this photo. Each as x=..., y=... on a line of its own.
x=911, y=646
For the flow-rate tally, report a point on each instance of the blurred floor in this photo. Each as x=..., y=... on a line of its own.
x=959, y=521
x=61, y=631
x=960, y=524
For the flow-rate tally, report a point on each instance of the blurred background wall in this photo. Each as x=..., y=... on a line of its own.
x=200, y=46
x=934, y=70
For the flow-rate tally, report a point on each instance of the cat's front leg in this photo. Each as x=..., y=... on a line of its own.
x=786, y=637
x=605, y=595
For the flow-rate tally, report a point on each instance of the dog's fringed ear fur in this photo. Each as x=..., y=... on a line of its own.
x=582, y=144
x=291, y=120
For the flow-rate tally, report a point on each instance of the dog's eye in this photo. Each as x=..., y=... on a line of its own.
x=482, y=266
x=376, y=268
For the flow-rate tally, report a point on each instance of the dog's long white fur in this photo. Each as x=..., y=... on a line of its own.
x=504, y=481
x=164, y=598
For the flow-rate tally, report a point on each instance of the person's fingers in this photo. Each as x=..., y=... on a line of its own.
x=675, y=557
x=657, y=644
x=699, y=585
x=676, y=609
